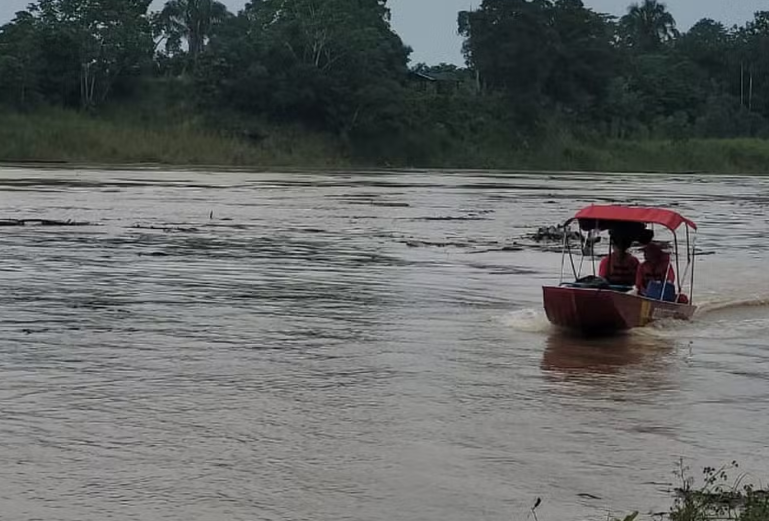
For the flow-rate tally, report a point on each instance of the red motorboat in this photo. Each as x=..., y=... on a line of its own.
x=592, y=304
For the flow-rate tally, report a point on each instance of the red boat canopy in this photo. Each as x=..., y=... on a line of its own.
x=666, y=218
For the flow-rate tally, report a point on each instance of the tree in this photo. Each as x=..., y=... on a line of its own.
x=192, y=21
x=89, y=45
x=708, y=44
x=336, y=64
x=648, y=26
x=21, y=56
x=510, y=44
x=585, y=59
x=540, y=52
x=669, y=84
x=751, y=49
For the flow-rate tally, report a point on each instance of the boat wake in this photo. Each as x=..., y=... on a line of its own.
x=528, y=321
x=732, y=309
x=735, y=304
x=535, y=321
x=722, y=318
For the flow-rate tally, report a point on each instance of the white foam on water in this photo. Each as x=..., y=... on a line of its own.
x=739, y=309
x=719, y=318
x=731, y=303
x=528, y=321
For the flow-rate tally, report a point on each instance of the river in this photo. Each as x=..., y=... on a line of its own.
x=364, y=346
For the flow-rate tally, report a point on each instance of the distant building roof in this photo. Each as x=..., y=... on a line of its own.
x=423, y=76
x=445, y=76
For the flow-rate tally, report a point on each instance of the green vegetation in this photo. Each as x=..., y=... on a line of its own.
x=71, y=136
x=66, y=135
x=548, y=84
x=716, y=499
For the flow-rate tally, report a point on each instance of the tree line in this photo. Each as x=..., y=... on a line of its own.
x=339, y=67
x=627, y=77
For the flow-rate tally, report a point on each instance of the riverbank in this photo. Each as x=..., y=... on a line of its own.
x=71, y=137
x=719, y=496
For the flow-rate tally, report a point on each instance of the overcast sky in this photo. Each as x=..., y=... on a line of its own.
x=429, y=26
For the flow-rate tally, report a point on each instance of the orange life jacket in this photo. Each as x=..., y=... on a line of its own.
x=650, y=272
x=620, y=271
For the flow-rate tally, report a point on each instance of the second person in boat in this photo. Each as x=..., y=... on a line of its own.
x=656, y=263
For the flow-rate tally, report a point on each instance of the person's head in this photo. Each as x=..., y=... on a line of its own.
x=620, y=242
x=653, y=252
x=646, y=236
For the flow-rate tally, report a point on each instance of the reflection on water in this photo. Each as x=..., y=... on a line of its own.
x=362, y=346
x=573, y=355
x=628, y=366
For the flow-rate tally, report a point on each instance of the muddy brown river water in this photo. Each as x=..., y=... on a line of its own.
x=357, y=346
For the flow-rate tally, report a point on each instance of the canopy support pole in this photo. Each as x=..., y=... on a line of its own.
x=665, y=280
x=563, y=253
x=678, y=264
x=567, y=245
x=596, y=233
x=694, y=259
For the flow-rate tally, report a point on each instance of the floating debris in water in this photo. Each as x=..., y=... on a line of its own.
x=414, y=243
x=41, y=222
x=556, y=234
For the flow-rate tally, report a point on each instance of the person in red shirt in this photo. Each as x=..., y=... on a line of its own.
x=620, y=267
x=656, y=262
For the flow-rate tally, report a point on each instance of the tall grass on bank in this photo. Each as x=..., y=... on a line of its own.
x=63, y=135
x=716, y=499
x=719, y=497
x=559, y=149
x=715, y=156
x=178, y=137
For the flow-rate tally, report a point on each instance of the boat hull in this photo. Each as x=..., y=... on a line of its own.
x=591, y=310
